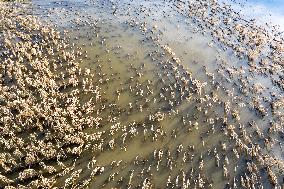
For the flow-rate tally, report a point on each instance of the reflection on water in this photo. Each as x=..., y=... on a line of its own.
x=176, y=108
x=264, y=11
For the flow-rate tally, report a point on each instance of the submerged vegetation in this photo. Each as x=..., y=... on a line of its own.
x=139, y=94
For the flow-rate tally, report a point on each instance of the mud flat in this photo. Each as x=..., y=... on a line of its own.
x=139, y=94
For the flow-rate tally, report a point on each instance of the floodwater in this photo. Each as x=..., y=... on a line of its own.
x=264, y=11
x=123, y=44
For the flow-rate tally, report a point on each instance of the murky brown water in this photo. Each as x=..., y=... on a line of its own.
x=122, y=46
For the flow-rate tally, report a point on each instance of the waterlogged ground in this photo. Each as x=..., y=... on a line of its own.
x=158, y=99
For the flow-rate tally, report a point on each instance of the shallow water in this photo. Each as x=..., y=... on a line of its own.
x=122, y=44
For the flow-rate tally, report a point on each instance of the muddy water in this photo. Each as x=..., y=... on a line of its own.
x=126, y=56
